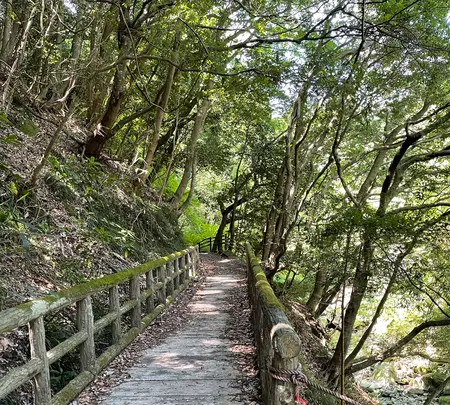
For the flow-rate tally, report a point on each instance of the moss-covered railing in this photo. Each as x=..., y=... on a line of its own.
x=160, y=280
x=277, y=344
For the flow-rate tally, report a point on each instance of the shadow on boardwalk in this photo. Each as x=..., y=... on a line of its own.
x=208, y=360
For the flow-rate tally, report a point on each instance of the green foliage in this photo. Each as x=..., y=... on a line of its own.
x=11, y=140
x=125, y=223
x=195, y=225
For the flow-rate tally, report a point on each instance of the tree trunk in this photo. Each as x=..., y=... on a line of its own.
x=368, y=362
x=49, y=148
x=19, y=57
x=191, y=190
x=103, y=132
x=360, y=283
x=6, y=33
x=316, y=295
x=161, y=108
x=398, y=262
x=200, y=118
x=437, y=391
x=217, y=247
x=327, y=298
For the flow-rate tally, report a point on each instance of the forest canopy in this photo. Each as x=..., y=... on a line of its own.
x=318, y=131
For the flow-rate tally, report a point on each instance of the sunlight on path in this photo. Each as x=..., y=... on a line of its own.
x=196, y=364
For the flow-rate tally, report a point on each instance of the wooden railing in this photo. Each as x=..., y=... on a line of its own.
x=208, y=245
x=277, y=344
x=161, y=279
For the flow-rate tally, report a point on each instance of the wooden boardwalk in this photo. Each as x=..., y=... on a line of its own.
x=195, y=365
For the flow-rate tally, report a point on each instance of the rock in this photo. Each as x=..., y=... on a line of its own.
x=444, y=400
x=385, y=372
x=416, y=391
x=433, y=380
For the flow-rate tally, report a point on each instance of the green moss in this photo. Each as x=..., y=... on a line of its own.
x=262, y=285
x=33, y=309
x=434, y=380
x=268, y=296
x=28, y=127
x=444, y=400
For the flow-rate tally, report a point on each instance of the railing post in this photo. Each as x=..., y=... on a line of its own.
x=114, y=306
x=182, y=276
x=176, y=279
x=162, y=290
x=277, y=344
x=188, y=271
x=150, y=302
x=135, y=294
x=185, y=262
x=196, y=260
x=285, y=346
x=171, y=286
x=41, y=383
x=210, y=244
x=85, y=321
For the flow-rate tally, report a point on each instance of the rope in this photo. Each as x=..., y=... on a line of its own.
x=297, y=377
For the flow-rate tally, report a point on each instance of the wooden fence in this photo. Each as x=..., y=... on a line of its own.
x=277, y=344
x=207, y=245
x=161, y=279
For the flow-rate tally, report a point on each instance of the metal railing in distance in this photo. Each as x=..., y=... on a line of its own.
x=277, y=343
x=160, y=280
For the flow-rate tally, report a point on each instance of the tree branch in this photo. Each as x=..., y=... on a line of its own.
x=400, y=344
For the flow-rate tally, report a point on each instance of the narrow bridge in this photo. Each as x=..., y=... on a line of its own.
x=195, y=365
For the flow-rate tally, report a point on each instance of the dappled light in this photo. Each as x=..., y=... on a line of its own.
x=302, y=145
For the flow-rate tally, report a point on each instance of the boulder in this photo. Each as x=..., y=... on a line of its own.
x=434, y=380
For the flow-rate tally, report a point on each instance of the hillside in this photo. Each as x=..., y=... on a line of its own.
x=69, y=227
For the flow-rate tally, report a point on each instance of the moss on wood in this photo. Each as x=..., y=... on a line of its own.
x=22, y=314
x=262, y=285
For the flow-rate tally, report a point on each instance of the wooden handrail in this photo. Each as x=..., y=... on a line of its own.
x=277, y=343
x=225, y=241
x=173, y=274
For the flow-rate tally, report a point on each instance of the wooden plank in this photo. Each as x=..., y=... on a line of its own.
x=41, y=382
x=19, y=376
x=104, y=322
x=66, y=346
x=128, y=306
x=85, y=321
